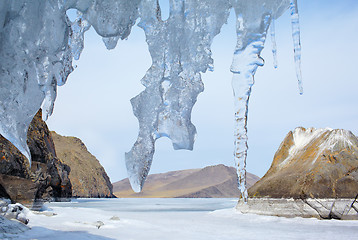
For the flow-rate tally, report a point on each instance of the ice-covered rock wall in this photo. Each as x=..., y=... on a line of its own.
x=38, y=43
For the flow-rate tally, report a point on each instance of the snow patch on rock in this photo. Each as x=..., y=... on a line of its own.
x=323, y=139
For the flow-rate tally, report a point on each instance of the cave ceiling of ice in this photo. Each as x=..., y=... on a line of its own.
x=38, y=43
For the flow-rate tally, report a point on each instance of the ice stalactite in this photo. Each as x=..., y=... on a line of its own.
x=273, y=42
x=76, y=40
x=296, y=42
x=244, y=66
x=180, y=50
x=253, y=21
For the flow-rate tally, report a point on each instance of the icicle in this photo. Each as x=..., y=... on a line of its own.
x=273, y=42
x=242, y=89
x=296, y=42
x=110, y=42
x=76, y=39
x=245, y=62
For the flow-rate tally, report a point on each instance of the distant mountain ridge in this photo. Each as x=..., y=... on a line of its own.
x=217, y=181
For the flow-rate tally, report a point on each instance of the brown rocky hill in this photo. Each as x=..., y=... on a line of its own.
x=214, y=181
x=47, y=179
x=87, y=175
x=312, y=163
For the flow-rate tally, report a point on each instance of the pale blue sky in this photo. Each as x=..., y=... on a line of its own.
x=94, y=104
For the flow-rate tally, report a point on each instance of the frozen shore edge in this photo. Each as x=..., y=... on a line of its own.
x=344, y=209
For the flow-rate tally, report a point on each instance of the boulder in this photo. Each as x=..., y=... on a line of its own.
x=15, y=211
x=13, y=219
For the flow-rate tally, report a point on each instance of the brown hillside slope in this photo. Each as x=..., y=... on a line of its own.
x=213, y=181
x=87, y=175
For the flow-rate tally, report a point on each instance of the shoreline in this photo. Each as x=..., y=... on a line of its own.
x=321, y=208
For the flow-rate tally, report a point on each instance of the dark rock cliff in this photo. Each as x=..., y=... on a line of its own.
x=87, y=175
x=312, y=163
x=47, y=179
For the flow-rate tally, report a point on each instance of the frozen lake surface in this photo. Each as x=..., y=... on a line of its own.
x=172, y=219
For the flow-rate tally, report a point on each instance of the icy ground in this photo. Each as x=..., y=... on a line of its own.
x=174, y=219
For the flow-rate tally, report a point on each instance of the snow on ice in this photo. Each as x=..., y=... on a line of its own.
x=175, y=219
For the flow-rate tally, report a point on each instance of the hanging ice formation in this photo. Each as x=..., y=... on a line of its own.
x=38, y=43
x=180, y=50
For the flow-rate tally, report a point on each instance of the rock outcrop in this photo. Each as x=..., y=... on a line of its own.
x=46, y=179
x=214, y=181
x=87, y=175
x=312, y=163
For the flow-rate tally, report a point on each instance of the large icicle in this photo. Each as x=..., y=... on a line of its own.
x=180, y=50
x=253, y=20
x=244, y=66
